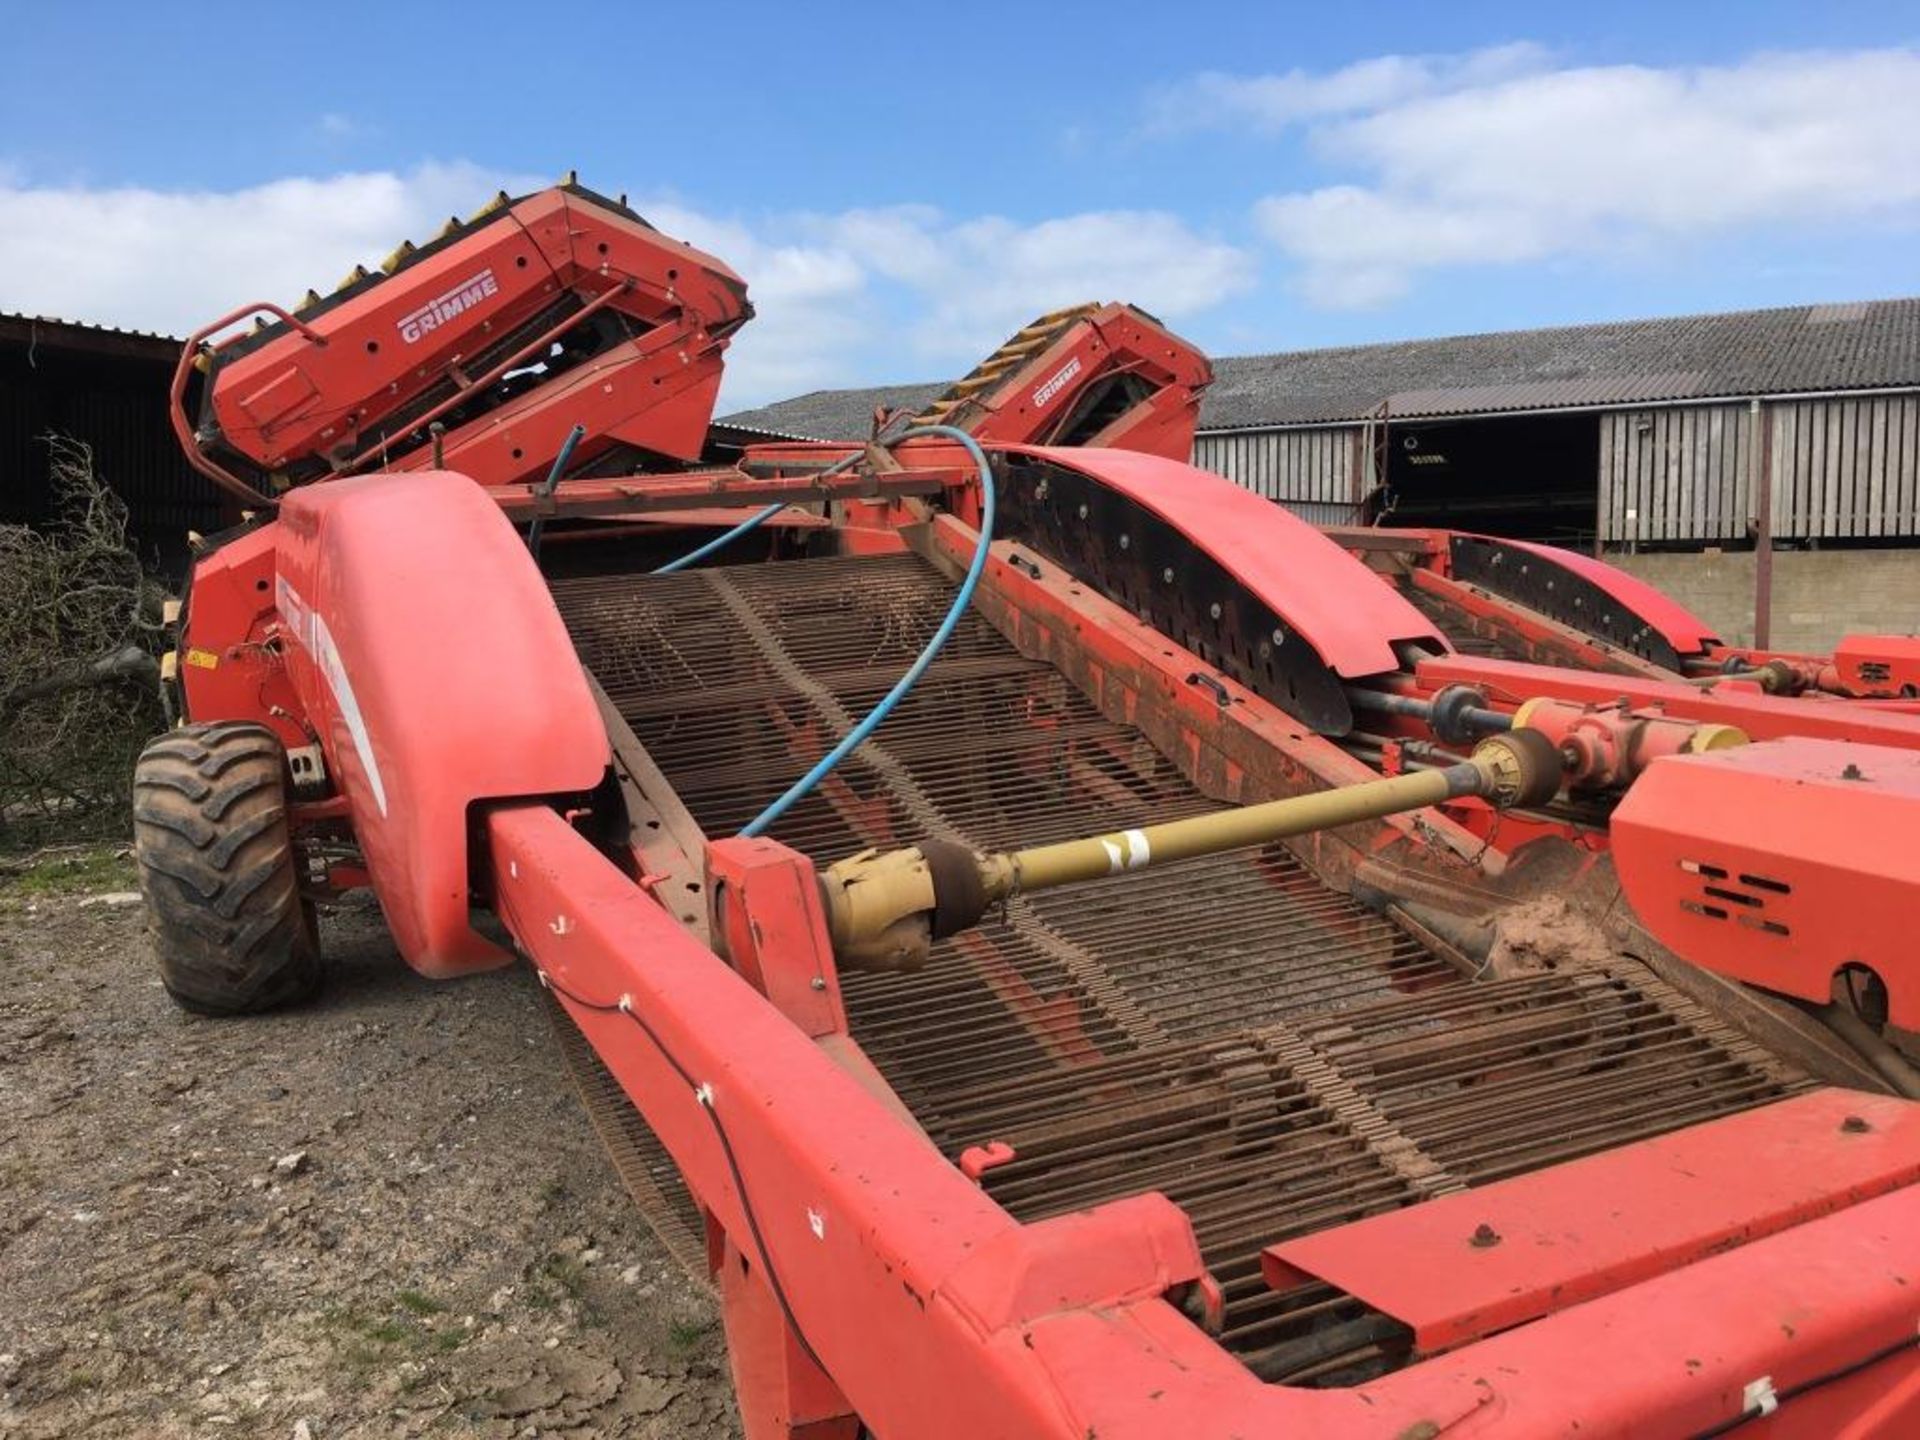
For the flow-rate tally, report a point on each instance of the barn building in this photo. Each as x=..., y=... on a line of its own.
x=107, y=389
x=1763, y=467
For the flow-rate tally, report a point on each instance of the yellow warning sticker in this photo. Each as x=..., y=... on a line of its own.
x=205, y=659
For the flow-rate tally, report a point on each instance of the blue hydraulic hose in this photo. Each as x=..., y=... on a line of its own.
x=750, y=523
x=866, y=727
x=549, y=485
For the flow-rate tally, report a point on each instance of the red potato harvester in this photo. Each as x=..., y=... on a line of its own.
x=1064, y=947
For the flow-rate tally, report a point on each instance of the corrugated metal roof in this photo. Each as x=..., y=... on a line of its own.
x=1855, y=346
x=834, y=414
x=1862, y=346
x=1547, y=394
x=50, y=330
x=89, y=325
x=749, y=434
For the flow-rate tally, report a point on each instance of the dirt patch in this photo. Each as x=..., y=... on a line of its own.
x=1546, y=934
x=383, y=1214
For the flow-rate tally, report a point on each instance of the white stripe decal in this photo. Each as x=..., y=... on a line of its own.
x=1138, y=851
x=294, y=612
x=328, y=658
x=311, y=632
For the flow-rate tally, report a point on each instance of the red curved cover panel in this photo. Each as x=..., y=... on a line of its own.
x=1685, y=631
x=1350, y=615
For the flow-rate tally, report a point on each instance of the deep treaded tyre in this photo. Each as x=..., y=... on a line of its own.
x=217, y=866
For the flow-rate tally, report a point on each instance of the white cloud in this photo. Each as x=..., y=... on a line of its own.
x=1360, y=248
x=841, y=298
x=810, y=304
x=1272, y=103
x=173, y=260
x=981, y=279
x=1589, y=160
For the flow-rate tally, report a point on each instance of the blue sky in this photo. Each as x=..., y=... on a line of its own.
x=900, y=191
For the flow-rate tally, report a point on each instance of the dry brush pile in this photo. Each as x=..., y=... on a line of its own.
x=79, y=629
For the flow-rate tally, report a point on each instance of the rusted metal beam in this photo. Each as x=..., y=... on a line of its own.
x=700, y=489
x=1762, y=449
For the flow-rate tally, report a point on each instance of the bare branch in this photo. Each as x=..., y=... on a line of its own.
x=75, y=605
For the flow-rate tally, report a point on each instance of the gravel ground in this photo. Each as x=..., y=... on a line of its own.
x=383, y=1214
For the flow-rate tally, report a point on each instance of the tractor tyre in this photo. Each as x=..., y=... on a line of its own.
x=230, y=929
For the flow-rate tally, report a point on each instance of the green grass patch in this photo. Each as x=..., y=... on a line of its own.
x=538, y=1297
x=77, y=872
x=366, y=1340
x=686, y=1335
x=566, y=1272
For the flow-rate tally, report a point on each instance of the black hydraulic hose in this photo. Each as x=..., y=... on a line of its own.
x=704, y=1095
x=1451, y=710
x=1891, y=1065
x=1841, y=1372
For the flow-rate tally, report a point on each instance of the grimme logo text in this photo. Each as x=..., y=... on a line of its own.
x=435, y=313
x=1058, y=383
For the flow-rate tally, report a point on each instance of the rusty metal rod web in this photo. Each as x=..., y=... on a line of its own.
x=1228, y=1031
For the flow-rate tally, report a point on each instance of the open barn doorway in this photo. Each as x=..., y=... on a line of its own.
x=1523, y=477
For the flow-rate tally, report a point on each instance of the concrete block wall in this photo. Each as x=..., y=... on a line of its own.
x=1818, y=595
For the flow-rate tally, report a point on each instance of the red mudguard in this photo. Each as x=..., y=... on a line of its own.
x=430, y=658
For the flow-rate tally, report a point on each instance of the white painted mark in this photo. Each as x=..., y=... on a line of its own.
x=295, y=613
x=1056, y=383
x=817, y=1223
x=465, y=296
x=1138, y=851
x=328, y=658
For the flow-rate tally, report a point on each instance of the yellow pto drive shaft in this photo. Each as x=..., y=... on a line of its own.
x=885, y=910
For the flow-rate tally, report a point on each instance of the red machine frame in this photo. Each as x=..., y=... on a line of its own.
x=835, y=1221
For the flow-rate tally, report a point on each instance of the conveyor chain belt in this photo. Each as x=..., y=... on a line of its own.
x=1013, y=352
x=1466, y=635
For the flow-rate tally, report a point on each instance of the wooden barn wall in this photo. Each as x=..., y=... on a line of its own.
x=1675, y=474
x=1841, y=468
x=1846, y=468
x=1311, y=472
